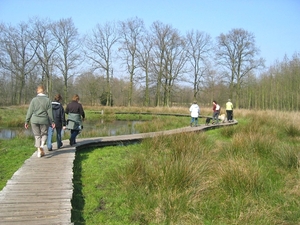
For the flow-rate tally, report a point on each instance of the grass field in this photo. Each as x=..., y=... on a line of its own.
x=243, y=174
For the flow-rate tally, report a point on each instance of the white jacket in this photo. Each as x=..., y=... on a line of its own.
x=195, y=110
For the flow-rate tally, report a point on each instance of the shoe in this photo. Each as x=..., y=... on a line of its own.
x=61, y=145
x=40, y=152
x=71, y=142
x=50, y=149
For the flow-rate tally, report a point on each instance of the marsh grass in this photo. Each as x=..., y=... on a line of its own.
x=12, y=116
x=162, y=123
x=292, y=130
x=131, y=117
x=244, y=174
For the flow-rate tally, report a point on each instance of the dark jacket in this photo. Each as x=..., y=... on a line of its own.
x=58, y=114
x=75, y=113
x=75, y=107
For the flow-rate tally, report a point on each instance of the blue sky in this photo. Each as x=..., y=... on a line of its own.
x=274, y=23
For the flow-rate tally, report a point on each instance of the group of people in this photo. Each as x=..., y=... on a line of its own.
x=195, y=112
x=46, y=116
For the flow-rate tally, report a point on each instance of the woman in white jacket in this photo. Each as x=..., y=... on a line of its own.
x=195, y=111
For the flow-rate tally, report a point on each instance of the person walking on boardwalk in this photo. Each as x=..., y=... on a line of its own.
x=76, y=116
x=229, y=110
x=60, y=122
x=39, y=113
x=216, y=112
x=195, y=111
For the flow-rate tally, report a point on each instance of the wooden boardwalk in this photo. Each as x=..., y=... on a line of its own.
x=40, y=192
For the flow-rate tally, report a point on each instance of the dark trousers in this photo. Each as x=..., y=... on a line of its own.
x=229, y=115
x=74, y=134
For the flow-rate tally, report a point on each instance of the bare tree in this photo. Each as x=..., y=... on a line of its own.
x=168, y=60
x=47, y=45
x=131, y=32
x=159, y=34
x=18, y=51
x=236, y=52
x=67, y=57
x=144, y=61
x=175, y=61
x=164, y=45
x=90, y=86
x=4, y=78
x=198, y=48
x=99, y=50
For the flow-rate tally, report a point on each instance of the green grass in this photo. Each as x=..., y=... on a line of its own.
x=12, y=116
x=12, y=156
x=244, y=174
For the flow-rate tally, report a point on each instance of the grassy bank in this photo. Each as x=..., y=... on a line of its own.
x=13, y=153
x=245, y=174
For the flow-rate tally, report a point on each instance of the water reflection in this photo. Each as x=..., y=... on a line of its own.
x=7, y=134
x=101, y=128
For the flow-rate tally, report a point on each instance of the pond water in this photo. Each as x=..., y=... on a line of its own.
x=101, y=128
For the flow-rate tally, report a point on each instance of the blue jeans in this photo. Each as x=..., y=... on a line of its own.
x=194, y=120
x=58, y=137
x=216, y=117
x=74, y=134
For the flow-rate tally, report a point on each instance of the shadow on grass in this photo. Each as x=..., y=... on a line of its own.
x=77, y=198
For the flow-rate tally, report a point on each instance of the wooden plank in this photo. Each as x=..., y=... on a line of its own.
x=40, y=192
x=26, y=206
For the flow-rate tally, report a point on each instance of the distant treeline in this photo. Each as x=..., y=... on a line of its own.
x=125, y=63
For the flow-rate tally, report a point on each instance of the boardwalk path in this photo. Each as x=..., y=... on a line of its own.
x=40, y=192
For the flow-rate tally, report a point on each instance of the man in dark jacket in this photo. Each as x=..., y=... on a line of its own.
x=60, y=122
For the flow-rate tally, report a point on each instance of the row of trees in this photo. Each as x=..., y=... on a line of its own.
x=278, y=88
x=124, y=63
